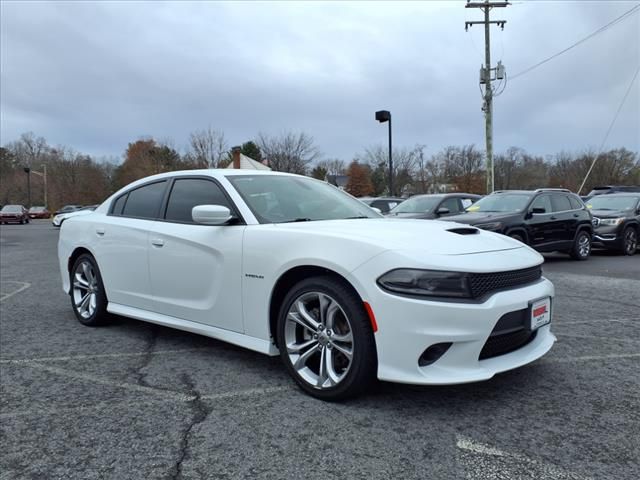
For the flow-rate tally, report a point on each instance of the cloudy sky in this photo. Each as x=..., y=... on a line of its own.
x=97, y=75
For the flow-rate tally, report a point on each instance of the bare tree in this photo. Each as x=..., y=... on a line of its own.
x=333, y=166
x=404, y=164
x=208, y=148
x=289, y=152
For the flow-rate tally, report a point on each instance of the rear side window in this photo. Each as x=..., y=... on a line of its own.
x=575, y=203
x=189, y=192
x=560, y=203
x=144, y=202
x=119, y=204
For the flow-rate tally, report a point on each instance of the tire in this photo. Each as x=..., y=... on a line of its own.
x=315, y=347
x=22, y=221
x=629, y=241
x=88, y=298
x=581, y=246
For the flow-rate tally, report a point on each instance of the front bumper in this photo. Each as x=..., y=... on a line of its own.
x=607, y=237
x=408, y=326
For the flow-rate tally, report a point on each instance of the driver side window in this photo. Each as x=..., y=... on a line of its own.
x=543, y=201
x=451, y=204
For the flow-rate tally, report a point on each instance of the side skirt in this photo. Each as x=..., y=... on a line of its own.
x=252, y=343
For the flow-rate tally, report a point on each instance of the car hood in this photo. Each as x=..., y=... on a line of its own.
x=473, y=218
x=608, y=213
x=77, y=213
x=433, y=237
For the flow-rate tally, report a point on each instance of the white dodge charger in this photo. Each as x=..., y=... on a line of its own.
x=284, y=264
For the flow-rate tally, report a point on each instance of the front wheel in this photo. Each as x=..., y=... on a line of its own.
x=88, y=297
x=581, y=246
x=326, y=340
x=629, y=241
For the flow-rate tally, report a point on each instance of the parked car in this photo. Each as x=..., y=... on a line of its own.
x=59, y=219
x=384, y=204
x=546, y=219
x=68, y=209
x=609, y=189
x=39, y=212
x=434, y=206
x=14, y=214
x=616, y=221
x=341, y=293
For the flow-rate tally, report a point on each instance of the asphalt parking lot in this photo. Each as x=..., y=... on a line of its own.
x=137, y=401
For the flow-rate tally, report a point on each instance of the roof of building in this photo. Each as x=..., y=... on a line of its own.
x=247, y=163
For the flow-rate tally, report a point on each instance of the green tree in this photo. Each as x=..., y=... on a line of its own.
x=251, y=150
x=319, y=172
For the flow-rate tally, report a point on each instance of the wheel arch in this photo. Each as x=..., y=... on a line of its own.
x=519, y=231
x=75, y=254
x=288, y=279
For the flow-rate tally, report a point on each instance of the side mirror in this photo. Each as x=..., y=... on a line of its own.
x=377, y=210
x=211, y=214
x=538, y=210
x=442, y=211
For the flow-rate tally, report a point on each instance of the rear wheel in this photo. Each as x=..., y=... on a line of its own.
x=581, y=246
x=629, y=241
x=88, y=296
x=326, y=339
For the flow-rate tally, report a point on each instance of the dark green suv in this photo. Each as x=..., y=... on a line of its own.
x=547, y=219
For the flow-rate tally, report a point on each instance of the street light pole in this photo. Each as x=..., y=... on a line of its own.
x=383, y=116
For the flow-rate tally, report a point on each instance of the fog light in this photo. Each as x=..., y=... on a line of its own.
x=433, y=353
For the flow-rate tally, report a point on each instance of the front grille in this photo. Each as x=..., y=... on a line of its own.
x=484, y=283
x=506, y=343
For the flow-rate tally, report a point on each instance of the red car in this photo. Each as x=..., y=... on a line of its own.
x=39, y=212
x=14, y=214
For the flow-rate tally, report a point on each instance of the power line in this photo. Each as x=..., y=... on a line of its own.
x=606, y=136
x=621, y=18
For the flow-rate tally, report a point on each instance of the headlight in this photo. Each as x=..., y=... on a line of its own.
x=611, y=221
x=493, y=227
x=429, y=283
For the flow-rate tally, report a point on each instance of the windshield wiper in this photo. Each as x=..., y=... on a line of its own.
x=297, y=220
x=353, y=218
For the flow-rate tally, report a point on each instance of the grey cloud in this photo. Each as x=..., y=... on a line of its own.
x=96, y=76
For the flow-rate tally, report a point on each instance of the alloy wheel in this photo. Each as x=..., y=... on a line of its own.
x=584, y=245
x=85, y=289
x=319, y=340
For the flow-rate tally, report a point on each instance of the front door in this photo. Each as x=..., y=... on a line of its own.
x=196, y=269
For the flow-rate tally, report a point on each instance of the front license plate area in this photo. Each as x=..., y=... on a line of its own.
x=540, y=313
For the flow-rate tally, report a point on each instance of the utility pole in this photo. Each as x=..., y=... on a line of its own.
x=383, y=116
x=27, y=170
x=486, y=77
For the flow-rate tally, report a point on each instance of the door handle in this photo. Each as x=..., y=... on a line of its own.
x=157, y=242
x=100, y=231
x=576, y=215
x=552, y=218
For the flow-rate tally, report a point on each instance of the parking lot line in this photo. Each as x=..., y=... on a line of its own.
x=128, y=402
x=635, y=321
x=100, y=355
x=22, y=286
x=485, y=469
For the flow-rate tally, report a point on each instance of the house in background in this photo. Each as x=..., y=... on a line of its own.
x=245, y=163
x=339, y=181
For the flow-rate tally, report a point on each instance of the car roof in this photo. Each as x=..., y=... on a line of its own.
x=617, y=194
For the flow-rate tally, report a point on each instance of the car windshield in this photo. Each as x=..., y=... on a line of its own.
x=36, y=209
x=12, y=209
x=417, y=205
x=611, y=202
x=503, y=202
x=280, y=199
x=599, y=191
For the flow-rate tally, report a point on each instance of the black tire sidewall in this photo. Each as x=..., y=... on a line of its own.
x=100, y=316
x=624, y=240
x=363, y=368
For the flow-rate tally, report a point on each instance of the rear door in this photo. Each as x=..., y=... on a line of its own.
x=121, y=245
x=564, y=220
x=196, y=269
